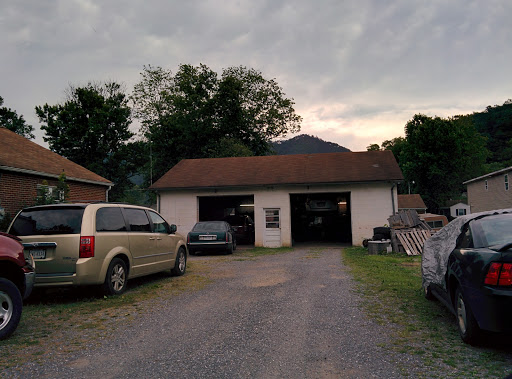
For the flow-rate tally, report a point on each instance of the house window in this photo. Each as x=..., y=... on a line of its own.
x=272, y=218
x=49, y=194
x=460, y=212
x=436, y=224
x=506, y=182
x=486, y=185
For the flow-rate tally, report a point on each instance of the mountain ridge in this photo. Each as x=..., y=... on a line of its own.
x=306, y=144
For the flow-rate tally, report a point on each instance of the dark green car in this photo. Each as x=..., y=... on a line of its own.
x=211, y=236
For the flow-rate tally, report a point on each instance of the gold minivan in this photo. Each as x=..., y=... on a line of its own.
x=98, y=244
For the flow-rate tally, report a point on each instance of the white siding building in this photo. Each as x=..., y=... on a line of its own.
x=337, y=197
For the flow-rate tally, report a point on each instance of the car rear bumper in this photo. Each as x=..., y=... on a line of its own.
x=211, y=245
x=492, y=309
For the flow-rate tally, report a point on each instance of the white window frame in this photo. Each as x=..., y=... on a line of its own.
x=275, y=215
x=506, y=182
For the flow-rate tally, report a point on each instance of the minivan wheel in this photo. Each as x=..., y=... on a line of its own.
x=11, y=305
x=466, y=323
x=180, y=265
x=116, y=279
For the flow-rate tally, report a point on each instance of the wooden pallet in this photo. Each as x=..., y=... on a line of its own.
x=410, y=240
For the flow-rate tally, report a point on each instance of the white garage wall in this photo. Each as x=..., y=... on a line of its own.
x=371, y=205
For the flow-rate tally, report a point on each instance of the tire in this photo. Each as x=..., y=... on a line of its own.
x=427, y=292
x=468, y=328
x=11, y=306
x=116, y=279
x=180, y=264
x=384, y=230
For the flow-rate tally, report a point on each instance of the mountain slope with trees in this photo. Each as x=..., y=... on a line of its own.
x=306, y=144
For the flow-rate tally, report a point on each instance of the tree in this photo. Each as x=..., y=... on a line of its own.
x=440, y=154
x=373, y=147
x=11, y=120
x=91, y=128
x=196, y=114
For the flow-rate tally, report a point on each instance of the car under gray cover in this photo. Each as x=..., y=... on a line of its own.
x=437, y=248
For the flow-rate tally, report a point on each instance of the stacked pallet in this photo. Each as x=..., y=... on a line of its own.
x=408, y=232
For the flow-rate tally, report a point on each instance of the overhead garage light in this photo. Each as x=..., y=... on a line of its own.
x=247, y=205
x=342, y=202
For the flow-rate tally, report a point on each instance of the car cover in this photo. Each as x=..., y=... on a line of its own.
x=437, y=248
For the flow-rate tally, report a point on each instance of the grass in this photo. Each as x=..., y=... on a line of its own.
x=392, y=293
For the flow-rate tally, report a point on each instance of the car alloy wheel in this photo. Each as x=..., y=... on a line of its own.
x=461, y=314
x=11, y=305
x=6, y=309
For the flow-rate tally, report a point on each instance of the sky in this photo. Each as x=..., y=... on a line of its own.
x=357, y=70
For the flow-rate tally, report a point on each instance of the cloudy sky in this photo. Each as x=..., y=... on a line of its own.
x=357, y=70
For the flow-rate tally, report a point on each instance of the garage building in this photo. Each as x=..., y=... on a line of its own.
x=332, y=197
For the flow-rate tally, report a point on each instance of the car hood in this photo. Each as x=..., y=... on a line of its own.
x=437, y=248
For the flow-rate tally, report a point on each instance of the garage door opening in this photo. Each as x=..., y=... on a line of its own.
x=238, y=211
x=321, y=217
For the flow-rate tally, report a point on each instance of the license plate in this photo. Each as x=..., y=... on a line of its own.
x=207, y=238
x=38, y=253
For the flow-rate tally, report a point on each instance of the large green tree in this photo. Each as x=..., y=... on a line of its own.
x=495, y=123
x=440, y=154
x=194, y=113
x=91, y=128
x=11, y=120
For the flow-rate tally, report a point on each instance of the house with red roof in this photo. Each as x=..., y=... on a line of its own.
x=411, y=202
x=24, y=165
x=330, y=197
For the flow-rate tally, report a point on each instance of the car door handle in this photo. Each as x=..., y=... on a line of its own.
x=151, y=238
x=158, y=239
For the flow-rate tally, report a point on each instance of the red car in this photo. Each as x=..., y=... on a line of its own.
x=16, y=282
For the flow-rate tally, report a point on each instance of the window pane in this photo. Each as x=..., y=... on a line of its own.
x=159, y=224
x=110, y=220
x=272, y=218
x=137, y=219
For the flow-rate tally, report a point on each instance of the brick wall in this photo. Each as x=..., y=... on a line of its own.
x=494, y=197
x=19, y=190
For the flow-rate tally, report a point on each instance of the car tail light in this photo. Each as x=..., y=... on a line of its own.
x=188, y=238
x=227, y=237
x=506, y=275
x=499, y=274
x=86, y=247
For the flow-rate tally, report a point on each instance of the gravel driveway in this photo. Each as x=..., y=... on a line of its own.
x=290, y=315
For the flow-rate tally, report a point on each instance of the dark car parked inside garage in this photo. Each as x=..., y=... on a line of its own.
x=243, y=226
x=211, y=236
x=467, y=265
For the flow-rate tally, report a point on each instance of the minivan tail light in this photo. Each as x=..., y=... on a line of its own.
x=86, y=247
x=499, y=274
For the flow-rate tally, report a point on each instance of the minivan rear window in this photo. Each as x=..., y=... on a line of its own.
x=48, y=221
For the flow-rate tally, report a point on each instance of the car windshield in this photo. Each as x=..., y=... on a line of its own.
x=497, y=230
x=48, y=221
x=209, y=227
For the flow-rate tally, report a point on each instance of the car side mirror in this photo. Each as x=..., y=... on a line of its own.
x=174, y=228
